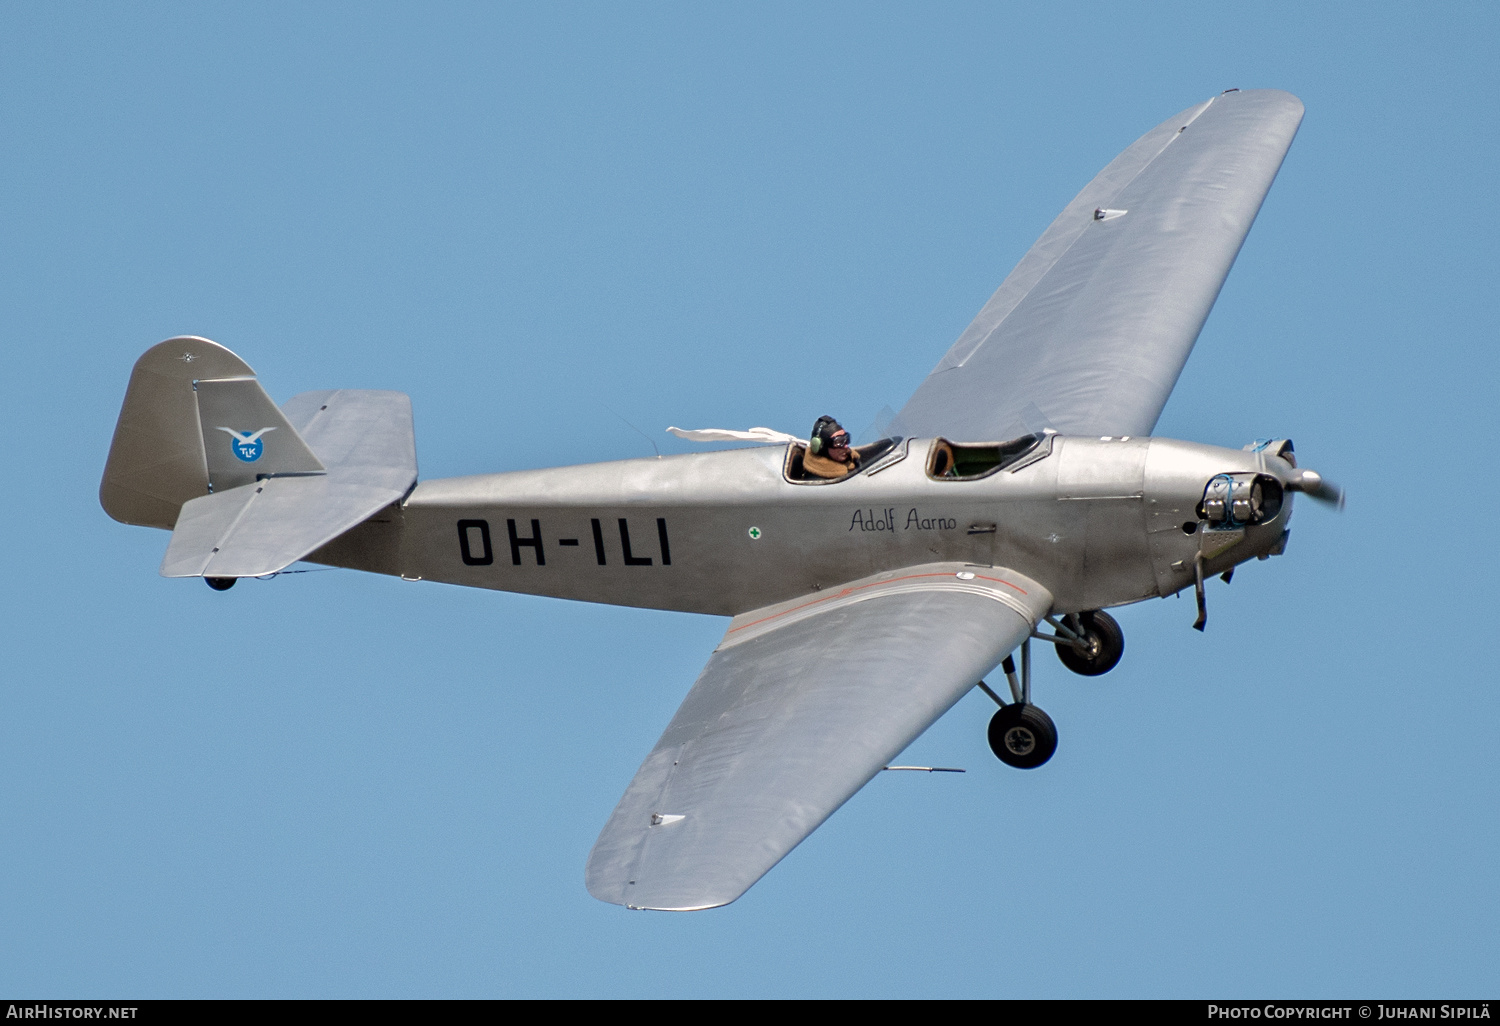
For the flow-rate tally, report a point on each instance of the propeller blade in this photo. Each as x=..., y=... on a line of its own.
x=1315, y=486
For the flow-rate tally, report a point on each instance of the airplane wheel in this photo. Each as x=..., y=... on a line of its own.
x=1022, y=736
x=221, y=583
x=1106, y=644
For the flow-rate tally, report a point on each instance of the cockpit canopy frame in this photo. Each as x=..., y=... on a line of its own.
x=870, y=456
x=974, y=461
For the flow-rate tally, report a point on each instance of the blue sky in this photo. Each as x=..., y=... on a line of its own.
x=543, y=222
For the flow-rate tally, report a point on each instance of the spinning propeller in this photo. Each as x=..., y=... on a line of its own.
x=1238, y=500
x=1315, y=486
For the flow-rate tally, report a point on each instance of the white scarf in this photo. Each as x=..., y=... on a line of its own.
x=756, y=434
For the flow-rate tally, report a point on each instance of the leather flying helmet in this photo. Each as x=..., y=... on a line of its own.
x=823, y=433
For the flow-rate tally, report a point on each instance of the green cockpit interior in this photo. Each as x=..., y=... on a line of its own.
x=965, y=461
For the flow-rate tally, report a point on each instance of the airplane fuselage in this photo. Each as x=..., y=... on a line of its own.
x=1101, y=522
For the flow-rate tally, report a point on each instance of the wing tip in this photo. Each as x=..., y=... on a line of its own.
x=615, y=893
x=675, y=908
x=1268, y=97
x=608, y=878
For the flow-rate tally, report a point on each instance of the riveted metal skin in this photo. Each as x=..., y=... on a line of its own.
x=1098, y=522
x=863, y=607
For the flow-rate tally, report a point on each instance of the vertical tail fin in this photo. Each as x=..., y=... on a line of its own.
x=157, y=461
x=194, y=421
x=247, y=487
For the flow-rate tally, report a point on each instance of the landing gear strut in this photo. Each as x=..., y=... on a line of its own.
x=1089, y=643
x=1021, y=735
x=1098, y=643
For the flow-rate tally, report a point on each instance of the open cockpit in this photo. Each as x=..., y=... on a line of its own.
x=970, y=461
x=946, y=460
x=876, y=453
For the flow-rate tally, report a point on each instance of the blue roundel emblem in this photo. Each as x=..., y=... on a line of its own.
x=249, y=451
x=247, y=445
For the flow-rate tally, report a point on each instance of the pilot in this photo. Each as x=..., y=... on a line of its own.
x=829, y=454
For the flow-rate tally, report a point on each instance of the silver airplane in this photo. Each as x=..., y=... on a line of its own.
x=1018, y=495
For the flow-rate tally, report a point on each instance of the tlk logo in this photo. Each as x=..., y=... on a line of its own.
x=247, y=445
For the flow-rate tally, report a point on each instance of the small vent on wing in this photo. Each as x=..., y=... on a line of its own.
x=1105, y=214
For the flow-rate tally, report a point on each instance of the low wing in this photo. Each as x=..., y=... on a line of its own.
x=800, y=705
x=1090, y=331
x=363, y=439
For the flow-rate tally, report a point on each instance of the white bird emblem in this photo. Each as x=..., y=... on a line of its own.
x=247, y=437
x=246, y=444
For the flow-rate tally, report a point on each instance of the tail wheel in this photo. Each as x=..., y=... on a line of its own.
x=221, y=583
x=1022, y=736
x=1104, y=641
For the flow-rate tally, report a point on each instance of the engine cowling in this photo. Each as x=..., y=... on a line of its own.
x=1235, y=500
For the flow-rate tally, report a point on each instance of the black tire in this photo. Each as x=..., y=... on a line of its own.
x=1022, y=736
x=221, y=583
x=1106, y=644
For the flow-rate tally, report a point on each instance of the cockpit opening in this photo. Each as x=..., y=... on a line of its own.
x=866, y=455
x=969, y=461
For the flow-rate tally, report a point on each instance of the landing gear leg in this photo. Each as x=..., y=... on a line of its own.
x=1089, y=643
x=1202, y=620
x=1020, y=734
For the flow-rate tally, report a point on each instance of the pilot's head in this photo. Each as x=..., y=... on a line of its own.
x=830, y=439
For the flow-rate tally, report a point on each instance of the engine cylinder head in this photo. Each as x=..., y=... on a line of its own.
x=1234, y=500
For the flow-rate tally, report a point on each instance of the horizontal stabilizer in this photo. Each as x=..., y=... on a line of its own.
x=358, y=433
x=260, y=528
x=364, y=441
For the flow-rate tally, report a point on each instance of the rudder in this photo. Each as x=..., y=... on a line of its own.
x=156, y=459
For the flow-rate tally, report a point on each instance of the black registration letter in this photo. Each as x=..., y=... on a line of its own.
x=661, y=534
x=598, y=541
x=625, y=544
x=469, y=532
x=535, y=541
